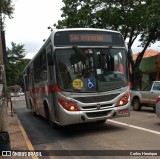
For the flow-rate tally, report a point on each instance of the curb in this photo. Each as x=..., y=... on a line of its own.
x=28, y=142
x=18, y=137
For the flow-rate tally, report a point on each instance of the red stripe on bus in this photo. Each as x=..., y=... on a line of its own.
x=40, y=90
x=56, y=88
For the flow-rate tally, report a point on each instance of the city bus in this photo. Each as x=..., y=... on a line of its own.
x=79, y=75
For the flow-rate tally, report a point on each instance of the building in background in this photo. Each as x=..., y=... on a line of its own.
x=150, y=66
x=15, y=90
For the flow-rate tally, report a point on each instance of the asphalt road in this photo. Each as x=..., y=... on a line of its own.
x=140, y=131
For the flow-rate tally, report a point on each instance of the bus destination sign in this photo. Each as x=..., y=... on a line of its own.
x=88, y=38
x=82, y=37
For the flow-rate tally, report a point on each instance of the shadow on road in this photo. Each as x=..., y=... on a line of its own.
x=145, y=109
x=39, y=130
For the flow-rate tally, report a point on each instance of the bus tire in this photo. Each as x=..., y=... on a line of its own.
x=32, y=110
x=48, y=116
x=101, y=121
x=47, y=113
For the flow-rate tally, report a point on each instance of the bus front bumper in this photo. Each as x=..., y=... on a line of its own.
x=73, y=117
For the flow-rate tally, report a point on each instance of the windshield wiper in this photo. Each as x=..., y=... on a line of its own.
x=77, y=50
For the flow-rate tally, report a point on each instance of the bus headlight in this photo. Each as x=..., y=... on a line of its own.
x=124, y=100
x=68, y=105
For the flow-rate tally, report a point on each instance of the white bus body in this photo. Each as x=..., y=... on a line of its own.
x=79, y=75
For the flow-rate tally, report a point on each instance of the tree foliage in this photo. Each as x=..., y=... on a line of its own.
x=6, y=8
x=131, y=17
x=16, y=64
x=16, y=53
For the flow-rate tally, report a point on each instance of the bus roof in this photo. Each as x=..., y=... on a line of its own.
x=67, y=29
x=82, y=29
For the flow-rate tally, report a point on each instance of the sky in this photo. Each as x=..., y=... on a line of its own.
x=30, y=22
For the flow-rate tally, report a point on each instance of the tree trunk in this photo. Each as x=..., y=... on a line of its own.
x=3, y=102
x=3, y=116
x=135, y=66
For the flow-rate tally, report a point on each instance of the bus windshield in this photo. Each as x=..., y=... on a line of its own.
x=91, y=69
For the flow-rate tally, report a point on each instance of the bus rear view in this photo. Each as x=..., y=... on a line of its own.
x=88, y=76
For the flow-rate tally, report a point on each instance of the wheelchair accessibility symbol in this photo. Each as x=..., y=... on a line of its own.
x=91, y=83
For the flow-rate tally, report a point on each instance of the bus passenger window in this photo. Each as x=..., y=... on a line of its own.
x=43, y=63
x=37, y=70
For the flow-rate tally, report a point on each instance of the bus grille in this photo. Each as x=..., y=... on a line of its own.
x=98, y=114
x=102, y=106
x=95, y=99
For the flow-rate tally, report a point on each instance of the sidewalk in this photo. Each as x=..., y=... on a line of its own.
x=17, y=137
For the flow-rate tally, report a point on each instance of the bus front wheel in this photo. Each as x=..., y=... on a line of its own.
x=47, y=113
x=48, y=116
x=101, y=121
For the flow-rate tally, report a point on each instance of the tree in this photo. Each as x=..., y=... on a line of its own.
x=16, y=53
x=17, y=63
x=6, y=8
x=131, y=18
x=16, y=76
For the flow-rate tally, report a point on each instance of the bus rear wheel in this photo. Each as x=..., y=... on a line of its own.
x=32, y=109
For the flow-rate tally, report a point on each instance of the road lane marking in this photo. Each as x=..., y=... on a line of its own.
x=134, y=126
x=29, y=145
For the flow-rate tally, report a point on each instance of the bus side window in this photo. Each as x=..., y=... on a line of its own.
x=37, y=70
x=49, y=55
x=43, y=69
